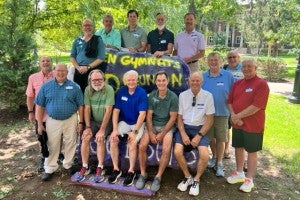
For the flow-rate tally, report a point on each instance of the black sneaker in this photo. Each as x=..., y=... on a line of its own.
x=129, y=179
x=60, y=159
x=46, y=176
x=113, y=178
x=41, y=165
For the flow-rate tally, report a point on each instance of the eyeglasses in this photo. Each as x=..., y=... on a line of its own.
x=232, y=57
x=194, y=101
x=97, y=80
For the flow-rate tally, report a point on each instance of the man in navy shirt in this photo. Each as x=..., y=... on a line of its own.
x=160, y=41
x=129, y=113
x=61, y=99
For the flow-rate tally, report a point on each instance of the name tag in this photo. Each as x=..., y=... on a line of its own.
x=249, y=90
x=163, y=42
x=124, y=98
x=136, y=35
x=220, y=83
x=69, y=87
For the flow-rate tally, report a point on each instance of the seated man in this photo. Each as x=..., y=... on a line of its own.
x=161, y=117
x=99, y=99
x=128, y=119
x=195, y=117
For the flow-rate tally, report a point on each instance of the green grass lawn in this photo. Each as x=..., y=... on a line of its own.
x=282, y=133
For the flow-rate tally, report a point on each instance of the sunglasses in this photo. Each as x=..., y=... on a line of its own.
x=194, y=101
x=97, y=80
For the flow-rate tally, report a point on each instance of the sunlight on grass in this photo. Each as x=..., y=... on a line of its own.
x=282, y=133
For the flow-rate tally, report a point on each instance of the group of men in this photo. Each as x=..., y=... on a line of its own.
x=197, y=118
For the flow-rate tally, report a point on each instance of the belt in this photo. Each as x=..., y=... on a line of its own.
x=192, y=62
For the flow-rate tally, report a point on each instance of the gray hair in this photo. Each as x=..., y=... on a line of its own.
x=131, y=72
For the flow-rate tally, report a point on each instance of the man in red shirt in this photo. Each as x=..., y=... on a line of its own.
x=247, y=103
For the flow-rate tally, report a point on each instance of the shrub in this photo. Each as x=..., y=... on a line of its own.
x=272, y=69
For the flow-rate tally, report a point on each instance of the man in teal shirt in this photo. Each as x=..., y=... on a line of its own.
x=110, y=36
x=161, y=117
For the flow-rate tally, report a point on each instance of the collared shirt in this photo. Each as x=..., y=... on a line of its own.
x=219, y=86
x=35, y=82
x=159, y=42
x=78, y=51
x=133, y=38
x=195, y=115
x=112, y=38
x=188, y=44
x=162, y=107
x=61, y=101
x=236, y=72
x=130, y=105
x=98, y=101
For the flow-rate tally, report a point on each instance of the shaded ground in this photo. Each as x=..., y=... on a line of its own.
x=19, y=178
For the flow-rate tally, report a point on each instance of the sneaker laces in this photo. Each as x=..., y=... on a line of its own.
x=195, y=184
x=247, y=181
x=98, y=171
x=82, y=171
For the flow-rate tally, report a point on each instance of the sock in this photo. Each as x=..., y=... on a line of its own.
x=101, y=166
x=85, y=165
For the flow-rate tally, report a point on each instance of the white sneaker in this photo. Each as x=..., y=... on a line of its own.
x=211, y=162
x=220, y=171
x=236, y=177
x=247, y=185
x=194, y=190
x=183, y=185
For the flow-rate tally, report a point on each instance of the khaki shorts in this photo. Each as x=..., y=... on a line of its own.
x=124, y=128
x=219, y=129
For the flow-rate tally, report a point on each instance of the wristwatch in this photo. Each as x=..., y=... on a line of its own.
x=201, y=134
x=135, y=131
x=89, y=67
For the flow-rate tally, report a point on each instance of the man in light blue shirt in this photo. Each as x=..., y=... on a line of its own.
x=110, y=36
x=219, y=83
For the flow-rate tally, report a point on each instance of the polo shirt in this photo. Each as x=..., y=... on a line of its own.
x=78, y=51
x=133, y=38
x=246, y=92
x=61, y=101
x=131, y=104
x=112, y=38
x=195, y=115
x=236, y=72
x=159, y=42
x=219, y=87
x=98, y=100
x=162, y=107
x=35, y=81
x=188, y=44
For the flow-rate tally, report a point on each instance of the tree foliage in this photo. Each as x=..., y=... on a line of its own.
x=17, y=44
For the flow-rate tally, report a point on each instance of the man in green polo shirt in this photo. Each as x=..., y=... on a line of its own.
x=160, y=119
x=133, y=37
x=99, y=99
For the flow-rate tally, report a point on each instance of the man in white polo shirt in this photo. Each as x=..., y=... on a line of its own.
x=189, y=44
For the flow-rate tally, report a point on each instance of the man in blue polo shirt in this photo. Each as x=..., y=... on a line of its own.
x=160, y=41
x=61, y=99
x=128, y=118
x=218, y=82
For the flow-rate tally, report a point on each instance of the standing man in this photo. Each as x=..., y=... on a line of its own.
x=247, y=102
x=160, y=41
x=110, y=36
x=35, y=81
x=61, y=99
x=88, y=52
x=195, y=117
x=189, y=44
x=128, y=121
x=99, y=98
x=133, y=37
x=235, y=67
x=219, y=83
x=161, y=117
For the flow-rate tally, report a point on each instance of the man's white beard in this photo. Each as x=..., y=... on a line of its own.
x=160, y=27
x=97, y=87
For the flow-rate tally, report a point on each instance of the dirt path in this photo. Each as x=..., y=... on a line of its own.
x=20, y=179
